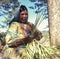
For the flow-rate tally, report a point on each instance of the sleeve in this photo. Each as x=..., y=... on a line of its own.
x=11, y=34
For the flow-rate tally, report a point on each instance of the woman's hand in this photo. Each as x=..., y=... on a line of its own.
x=38, y=35
x=22, y=41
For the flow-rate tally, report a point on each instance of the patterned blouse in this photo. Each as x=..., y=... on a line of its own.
x=17, y=31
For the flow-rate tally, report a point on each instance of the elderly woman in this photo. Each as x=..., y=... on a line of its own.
x=20, y=34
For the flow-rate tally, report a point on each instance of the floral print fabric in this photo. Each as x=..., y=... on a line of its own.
x=16, y=31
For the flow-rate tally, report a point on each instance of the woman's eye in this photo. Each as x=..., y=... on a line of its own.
x=24, y=14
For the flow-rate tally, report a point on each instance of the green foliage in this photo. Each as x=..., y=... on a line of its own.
x=35, y=50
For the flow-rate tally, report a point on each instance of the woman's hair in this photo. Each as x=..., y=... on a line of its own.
x=17, y=18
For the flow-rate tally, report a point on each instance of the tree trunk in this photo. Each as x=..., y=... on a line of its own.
x=54, y=21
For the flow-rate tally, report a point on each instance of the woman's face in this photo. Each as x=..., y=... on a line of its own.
x=23, y=16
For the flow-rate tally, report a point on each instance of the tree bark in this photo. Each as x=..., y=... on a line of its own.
x=54, y=21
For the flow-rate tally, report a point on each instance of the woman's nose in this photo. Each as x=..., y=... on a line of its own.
x=23, y=15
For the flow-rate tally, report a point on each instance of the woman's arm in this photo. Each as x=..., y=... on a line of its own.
x=23, y=41
x=37, y=35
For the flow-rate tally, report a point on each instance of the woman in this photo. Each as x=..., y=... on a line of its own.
x=19, y=34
